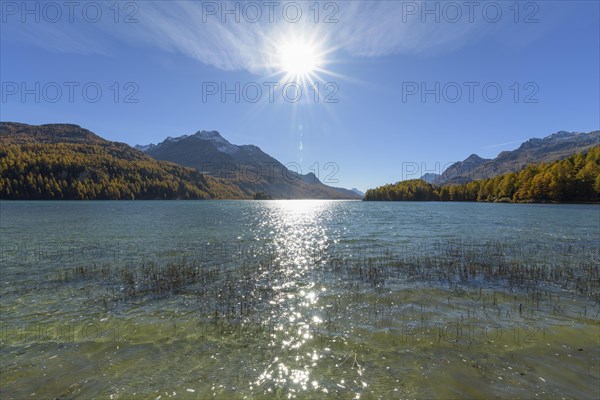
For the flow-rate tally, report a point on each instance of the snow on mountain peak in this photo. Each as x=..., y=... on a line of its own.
x=220, y=143
x=561, y=135
x=210, y=135
x=144, y=147
x=177, y=139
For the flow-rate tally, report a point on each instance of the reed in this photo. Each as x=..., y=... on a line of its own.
x=243, y=294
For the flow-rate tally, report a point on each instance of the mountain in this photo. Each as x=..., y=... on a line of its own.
x=358, y=192
x=22, y=134
x=64, y=161
x=575, y=179
x=430, y=177
x=144, y=148
x=462, y=171
x=554, y=147
x=247, y=166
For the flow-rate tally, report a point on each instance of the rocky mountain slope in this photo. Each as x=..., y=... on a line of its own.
x=247, y=166
x=554, y=147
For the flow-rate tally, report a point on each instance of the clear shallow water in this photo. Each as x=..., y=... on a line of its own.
x=291, y=309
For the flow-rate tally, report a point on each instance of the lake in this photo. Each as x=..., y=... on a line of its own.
x=297, y=299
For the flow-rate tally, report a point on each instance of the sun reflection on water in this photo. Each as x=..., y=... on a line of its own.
x=306, y=320
x=297, y=231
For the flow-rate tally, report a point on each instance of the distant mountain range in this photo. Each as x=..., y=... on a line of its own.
x=358, y=192
x=575, y=179
x=554, y=147
x=247, y=166
x=65, y=161
x=430, y=177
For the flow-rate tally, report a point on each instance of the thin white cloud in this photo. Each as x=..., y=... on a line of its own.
x=491, y=146
x=74, y=38
x=180, y=27
x=365, y=29
x=374, y=29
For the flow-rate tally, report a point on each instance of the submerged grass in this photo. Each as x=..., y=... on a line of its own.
x=393, y=318
x=239, y=292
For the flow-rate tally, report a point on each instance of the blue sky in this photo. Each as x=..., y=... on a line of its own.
x=379, y=58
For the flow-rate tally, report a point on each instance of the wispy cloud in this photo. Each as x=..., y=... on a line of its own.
x=75, y=38
x=180, y=27
x=364, y=29
x=491, y=146
x=374, y=29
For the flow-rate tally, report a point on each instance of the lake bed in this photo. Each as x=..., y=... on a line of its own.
x=296, y=299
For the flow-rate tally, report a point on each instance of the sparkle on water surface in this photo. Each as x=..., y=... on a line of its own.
x=313, y=331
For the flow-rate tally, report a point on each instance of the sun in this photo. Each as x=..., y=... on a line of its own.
x=298, y=58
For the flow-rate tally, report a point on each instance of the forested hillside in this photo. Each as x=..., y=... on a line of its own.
x=67, y=162
x=575, y=179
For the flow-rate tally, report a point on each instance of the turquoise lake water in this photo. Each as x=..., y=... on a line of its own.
x=299, y=299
